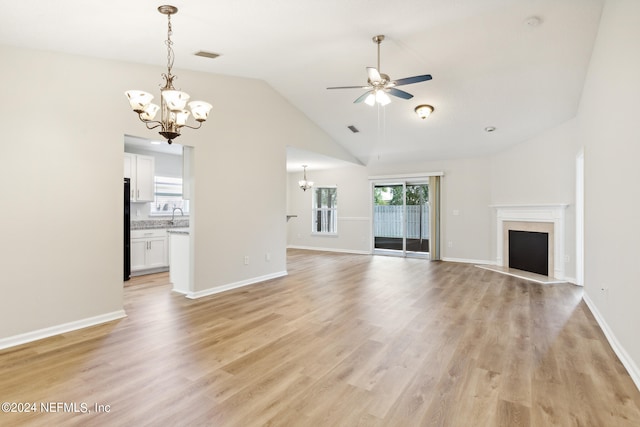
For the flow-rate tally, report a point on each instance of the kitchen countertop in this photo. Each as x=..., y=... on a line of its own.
x=182, y=231
x=146, y=224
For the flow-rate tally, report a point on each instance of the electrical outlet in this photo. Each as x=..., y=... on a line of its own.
x=267, y=257
x=246, y=260
x=450, y=244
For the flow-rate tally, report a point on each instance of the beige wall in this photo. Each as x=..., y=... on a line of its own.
x=60, y=265
x=465, y=189
x=354, y=225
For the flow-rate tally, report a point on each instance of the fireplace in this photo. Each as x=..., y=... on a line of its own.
x=531, y=238
x=529, y=251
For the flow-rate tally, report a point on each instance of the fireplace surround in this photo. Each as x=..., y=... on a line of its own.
x=547, y=218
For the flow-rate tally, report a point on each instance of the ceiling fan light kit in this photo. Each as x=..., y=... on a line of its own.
x=173, y=115
x=380, y=86
x=423, y=110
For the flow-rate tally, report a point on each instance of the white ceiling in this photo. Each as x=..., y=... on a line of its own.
x=489, y=66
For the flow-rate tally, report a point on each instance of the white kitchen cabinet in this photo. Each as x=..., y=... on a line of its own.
x=149, y=249
x=179, y=259
x=138, y=254
x=140, y=170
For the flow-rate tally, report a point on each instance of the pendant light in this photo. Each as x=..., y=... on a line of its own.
x=303, y=183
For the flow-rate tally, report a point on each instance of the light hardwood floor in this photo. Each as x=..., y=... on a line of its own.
x=343, y=340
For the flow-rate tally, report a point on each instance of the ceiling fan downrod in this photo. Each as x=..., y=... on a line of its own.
x=378, y=39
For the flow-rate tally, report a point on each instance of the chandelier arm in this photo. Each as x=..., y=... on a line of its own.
x=146, y=122
x=193, y=127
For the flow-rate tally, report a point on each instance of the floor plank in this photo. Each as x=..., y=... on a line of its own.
x=342, y=340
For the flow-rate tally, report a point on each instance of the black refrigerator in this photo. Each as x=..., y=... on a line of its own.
x=127, y=231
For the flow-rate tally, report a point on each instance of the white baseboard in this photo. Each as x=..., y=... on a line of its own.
x=313, y=248
x=624, y=357
x=469, y=261
x=235, y=285
x=60, y=329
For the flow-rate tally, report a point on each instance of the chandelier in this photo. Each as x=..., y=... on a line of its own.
x=303, y=183
x=173, y=115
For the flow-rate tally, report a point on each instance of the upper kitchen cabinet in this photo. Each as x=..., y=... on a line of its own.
x=140, y=169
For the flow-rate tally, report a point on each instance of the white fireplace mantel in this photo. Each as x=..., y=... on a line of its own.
x=549, y=213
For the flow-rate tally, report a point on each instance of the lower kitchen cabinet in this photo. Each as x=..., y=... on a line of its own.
x=149, y=249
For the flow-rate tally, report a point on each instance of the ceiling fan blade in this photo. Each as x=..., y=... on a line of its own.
x=399, y=93
x=349, y=87
x=362, y=97
x=373, y=74
x=414, y=79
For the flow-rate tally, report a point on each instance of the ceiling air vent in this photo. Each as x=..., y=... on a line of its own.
x=353, y=129
x=205, y=54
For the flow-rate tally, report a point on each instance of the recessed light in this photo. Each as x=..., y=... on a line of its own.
x=490, y=129
x=533, y=21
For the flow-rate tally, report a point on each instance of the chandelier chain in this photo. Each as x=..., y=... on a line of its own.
x=169, y=43
x=170, y=56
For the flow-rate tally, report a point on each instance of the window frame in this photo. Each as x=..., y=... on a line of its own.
x=156, y=181
x=315, y=210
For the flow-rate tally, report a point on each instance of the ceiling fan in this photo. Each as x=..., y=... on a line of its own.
x=379, y=84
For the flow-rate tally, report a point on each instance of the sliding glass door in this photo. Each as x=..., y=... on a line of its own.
x=401, y=219
x=417, y=204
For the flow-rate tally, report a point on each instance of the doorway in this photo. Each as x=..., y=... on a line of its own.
x=159, y=199
x=401, y=219
x=580, y=218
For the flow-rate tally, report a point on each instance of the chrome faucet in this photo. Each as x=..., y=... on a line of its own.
x=173, y=214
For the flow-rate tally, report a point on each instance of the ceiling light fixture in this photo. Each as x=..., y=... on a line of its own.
x=303, y=183
x=173, y=115
x=423, y=110
x=378, y=96
x=533, y=21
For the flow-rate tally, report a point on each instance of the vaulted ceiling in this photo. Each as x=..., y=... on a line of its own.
x=516, y=65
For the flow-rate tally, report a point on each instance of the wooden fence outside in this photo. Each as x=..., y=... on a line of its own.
x=388, y=221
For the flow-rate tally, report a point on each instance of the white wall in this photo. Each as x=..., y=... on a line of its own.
x=608, y=122
x=540, y=171
x=60, y=267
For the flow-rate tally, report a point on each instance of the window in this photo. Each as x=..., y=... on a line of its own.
x=325, y=210
x=168, y=195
